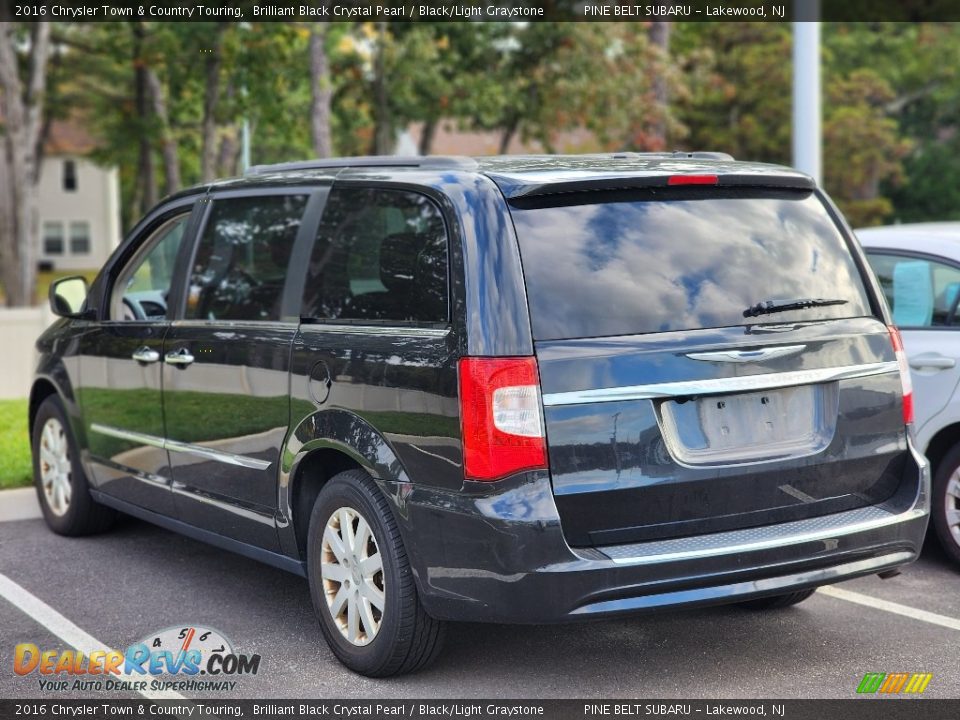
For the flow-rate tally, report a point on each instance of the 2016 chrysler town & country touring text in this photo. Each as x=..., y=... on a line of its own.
x=511, y=389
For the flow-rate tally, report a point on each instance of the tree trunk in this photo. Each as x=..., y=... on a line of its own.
x=321, y=91
x=660, y=39
x=22, y=109
x=229, y=150
x=211, y=97
x=383, y=132
x=146, y=192
x=427, y=134
x=168, y=142
x=508, y=132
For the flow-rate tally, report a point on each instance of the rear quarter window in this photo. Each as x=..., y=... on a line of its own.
x=633, y=262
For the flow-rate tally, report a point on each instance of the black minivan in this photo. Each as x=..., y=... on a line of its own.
x=506, y=389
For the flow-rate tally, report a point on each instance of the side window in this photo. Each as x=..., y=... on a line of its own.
x=242, y=256
x=143, y=286
x=380, y=255
x=921, y=292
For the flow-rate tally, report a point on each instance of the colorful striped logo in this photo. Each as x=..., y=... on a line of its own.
x=894, y=683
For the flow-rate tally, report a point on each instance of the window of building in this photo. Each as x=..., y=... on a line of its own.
x=80, y=238
x=53, y=238
x=242, y=257
x=69, y=175
x=380, y=255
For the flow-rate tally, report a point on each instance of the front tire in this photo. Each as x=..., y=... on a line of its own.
x=62, y=487
x=946, y=503
x=776, y=602
x=361, y=583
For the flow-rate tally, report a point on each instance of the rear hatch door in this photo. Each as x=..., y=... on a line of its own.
x=710, y=359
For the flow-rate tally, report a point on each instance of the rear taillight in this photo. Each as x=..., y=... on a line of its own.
x=904, y=366
x=500, y=416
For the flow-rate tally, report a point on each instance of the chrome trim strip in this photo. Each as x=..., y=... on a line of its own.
x=743, y=383
x=776, y=540
x=218, y=455
x=136, y=437
x=177, y=446
x=375, y=330
x=745, y=356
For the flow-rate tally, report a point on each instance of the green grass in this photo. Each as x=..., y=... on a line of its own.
x=15, y=465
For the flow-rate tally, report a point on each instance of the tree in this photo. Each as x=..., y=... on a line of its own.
x=321, y=91
x=22, y=105
x=211, y=98
x=872, y=149
x=738, y=80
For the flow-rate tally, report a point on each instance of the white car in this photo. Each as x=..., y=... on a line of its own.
x=918, y=266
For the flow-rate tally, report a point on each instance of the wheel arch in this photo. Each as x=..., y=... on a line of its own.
x=43, y=387
x=323, y=445
x=941, y=443
x=41, y=390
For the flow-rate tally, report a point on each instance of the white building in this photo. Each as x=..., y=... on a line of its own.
x=79, y=202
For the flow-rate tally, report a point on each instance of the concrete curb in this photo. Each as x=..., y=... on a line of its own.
x=19, y=504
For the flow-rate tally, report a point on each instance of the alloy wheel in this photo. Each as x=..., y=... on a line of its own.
x=352, y=572
x=951, y=505
x=55, y=467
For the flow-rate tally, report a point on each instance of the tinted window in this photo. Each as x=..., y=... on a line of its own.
x=380, y=255
x=241, y=259
x=921, y=292
x=143, y=286
x=625, y=263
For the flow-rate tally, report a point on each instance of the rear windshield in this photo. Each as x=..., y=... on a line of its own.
x=600, y=264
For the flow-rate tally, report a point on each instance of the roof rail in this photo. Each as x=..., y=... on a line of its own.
x=702, y=155
x=678, y=154
x=449, y=162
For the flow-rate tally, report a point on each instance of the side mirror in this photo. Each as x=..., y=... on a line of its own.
x=67, y=296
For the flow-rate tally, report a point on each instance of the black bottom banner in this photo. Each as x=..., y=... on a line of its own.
x=853, y=709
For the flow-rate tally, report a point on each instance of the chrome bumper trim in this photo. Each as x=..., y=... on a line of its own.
x=824, y=527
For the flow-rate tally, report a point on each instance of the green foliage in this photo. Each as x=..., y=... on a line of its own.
x=857, y=123
x=16, y=469
x=891, y=93
x=739, y=88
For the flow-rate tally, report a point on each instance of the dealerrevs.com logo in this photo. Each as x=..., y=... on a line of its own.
x=184, y=658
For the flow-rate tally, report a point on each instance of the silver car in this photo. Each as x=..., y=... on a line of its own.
x=918, y=266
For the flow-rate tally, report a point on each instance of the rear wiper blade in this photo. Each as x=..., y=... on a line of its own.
x=769, y=307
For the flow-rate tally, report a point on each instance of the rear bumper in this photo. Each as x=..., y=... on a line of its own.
x=502, y=557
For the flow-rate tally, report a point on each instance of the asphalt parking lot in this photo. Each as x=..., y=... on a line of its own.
x=121, y=586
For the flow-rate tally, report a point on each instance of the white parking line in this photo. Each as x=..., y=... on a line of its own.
x=890, y=607
x=64, y=628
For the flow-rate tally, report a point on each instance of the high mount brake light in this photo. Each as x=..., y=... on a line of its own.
x=500, y=416
x=692, y=180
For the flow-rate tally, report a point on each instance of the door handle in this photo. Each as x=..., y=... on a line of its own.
x=180, y=357
x=932, y=361
x=146, y=355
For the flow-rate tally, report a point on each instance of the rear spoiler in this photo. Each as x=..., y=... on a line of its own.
x=528, y=185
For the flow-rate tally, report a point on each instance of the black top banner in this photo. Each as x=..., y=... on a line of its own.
x=481, y=10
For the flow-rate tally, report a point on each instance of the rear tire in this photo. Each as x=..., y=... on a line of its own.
x=61, y=483
x=361, y=583
x=776, y=602
x=945, y=505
